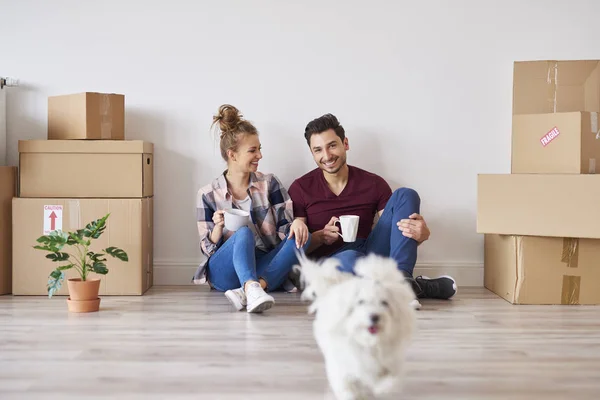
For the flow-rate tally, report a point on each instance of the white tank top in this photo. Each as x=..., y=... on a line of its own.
x=245, y=205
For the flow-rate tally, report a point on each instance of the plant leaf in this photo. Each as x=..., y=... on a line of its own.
x=95, y=228
x=55, y=281
x=96, y=256
x=65, y=267
x=57, y=256
x=100, y=268
x=118, y=253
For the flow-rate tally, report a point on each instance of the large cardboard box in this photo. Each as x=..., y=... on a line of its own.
x=560, y=143
x=129, y=226
x=86, y=168
x=542, y=270
x=8, y=181
x=86, y=116
x=556, y=205
x=550, y=86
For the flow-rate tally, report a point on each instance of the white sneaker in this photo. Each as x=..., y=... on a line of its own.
x=257, y=299
x=237, y=297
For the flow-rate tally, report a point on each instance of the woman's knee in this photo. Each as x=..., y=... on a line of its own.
x=243, y=235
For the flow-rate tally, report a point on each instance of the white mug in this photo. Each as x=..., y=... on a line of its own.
x=348, y=226
x=235, y=219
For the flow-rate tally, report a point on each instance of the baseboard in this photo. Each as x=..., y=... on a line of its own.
x=180, y=272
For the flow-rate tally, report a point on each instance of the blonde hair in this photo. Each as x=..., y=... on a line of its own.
x=232, y=126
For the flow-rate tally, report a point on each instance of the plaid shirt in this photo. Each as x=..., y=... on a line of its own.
x=271, y=212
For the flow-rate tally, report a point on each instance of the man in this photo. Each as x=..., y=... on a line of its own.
x=335, y=188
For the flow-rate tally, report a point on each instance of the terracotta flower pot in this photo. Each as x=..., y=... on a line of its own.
x=82, y=306
x=83, y=290
x=83, y=295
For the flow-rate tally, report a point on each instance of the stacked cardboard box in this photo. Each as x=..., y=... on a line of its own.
x=8, y=189
x=542, y=236
x=84, y=170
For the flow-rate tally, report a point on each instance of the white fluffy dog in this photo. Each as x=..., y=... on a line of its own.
x=363, y=325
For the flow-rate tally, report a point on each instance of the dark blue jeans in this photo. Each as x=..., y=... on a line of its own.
x=386, y=239
x=238, y=261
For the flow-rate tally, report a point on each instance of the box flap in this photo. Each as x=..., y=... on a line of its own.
x=85, y=146
x=556, y=86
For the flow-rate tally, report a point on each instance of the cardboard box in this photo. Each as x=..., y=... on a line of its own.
x=86, y=116
x=129, y=226
x=556, y=205
x=542, y=270
x=86, y=168
x=551, y=86
x=8, y=189
x=555, y=143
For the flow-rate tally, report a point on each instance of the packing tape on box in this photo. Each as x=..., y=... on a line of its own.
x=571, y=284
x=518, y=243
x=105, y=117
x=594, y=124
x=552, y=80
x=74, y=214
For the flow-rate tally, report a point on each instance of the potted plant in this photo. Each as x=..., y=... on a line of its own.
x=73, y=248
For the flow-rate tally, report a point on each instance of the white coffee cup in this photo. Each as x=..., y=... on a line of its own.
x=348, y=226
x=235, y=219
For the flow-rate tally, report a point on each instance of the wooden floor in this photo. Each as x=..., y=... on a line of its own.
x=188, y=343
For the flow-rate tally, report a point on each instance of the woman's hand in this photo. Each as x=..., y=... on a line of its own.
x=300, y=231
x=219, y=220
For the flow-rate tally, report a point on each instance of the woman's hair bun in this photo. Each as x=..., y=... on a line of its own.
x=228, y=118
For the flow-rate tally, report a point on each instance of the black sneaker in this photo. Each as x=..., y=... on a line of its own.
x=443, y=287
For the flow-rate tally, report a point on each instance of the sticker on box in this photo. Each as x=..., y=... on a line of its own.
x=53, y=218
x=550, y=136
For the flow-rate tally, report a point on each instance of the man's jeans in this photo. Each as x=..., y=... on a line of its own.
x=386, y=239
x=238, y=261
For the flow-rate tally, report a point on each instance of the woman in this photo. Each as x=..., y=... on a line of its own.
x=257, y=258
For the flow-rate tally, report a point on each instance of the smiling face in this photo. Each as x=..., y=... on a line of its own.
x=329, y=151
x=247, y=154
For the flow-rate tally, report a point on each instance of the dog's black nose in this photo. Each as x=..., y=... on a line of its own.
x=374, y=318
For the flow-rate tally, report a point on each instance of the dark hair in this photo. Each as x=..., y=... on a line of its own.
x=323, y=123
x=232, y=126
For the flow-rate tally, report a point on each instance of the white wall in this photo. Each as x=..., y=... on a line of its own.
x=423, y=89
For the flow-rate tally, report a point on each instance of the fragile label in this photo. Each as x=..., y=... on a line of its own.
x=550, y=136
x=53, y=218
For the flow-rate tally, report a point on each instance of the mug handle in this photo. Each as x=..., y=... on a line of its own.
x=336, y=221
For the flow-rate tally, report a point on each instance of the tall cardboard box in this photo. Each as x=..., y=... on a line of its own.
x=129, y=226
x=542, y=270
x=551, y=86
x=557, y=205
x=86, y=168
x=555, y=143
x=8, y=180
x=86, y=115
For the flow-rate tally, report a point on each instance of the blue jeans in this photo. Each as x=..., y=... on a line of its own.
x=238, y=261
x=386, y=239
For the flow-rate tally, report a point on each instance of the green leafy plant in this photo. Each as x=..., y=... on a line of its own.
x=79, y=255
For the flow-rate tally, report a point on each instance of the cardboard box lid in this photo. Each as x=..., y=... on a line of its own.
x=556, y=205
x=549, y=86
x=85, y=94
x=86, y=146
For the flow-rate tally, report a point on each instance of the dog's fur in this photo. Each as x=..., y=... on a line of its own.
x=363, y=324
x=317, y=277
